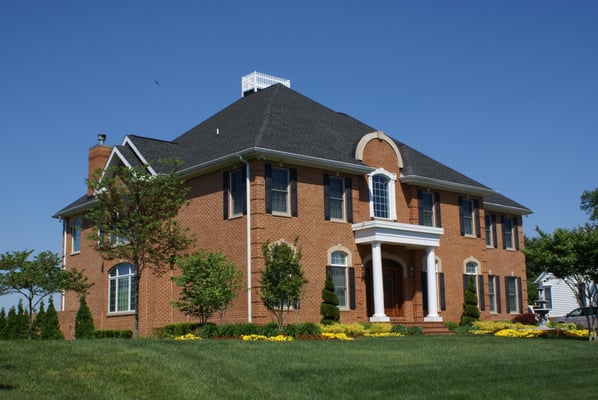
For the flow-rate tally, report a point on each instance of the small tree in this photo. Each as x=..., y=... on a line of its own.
x=329, y=307
x=38, y=278
x=40, y=321
x=210, y=283
x=51, y=327
x=2, y=323
x=282, y=279
x=471, y=312
x=135, y=218
x=84, y=327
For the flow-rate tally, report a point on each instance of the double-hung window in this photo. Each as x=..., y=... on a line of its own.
x=338, y=270
x=338, y=203
x=494, y=294
x=513, y=292
x=234, y=193
x=281, y=191
x=76, y=235
x=510, y=233
x=382, y=194
x=469, y=215
x=121, y=290
x=429, y=208
x=490, y=230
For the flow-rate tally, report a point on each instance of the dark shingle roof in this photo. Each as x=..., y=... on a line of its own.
x=282, y=120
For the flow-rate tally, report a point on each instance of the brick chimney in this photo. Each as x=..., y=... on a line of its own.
x=98, y=157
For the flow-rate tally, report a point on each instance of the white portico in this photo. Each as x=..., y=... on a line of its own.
x=378, y=232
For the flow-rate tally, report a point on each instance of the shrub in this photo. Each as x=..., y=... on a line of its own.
x=353, y=329
x=378, y=327
x=526, y=319
x=407, y=330
x=247, y=329
x=84, y=327
x=270, y=329
x=113, y=334
x=208, y=330
x=174, y=330
x=51, y=326
x=308, y=328
x=329, y=307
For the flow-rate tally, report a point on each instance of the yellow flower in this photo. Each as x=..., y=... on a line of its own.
x=336, y=336
x=188, y=336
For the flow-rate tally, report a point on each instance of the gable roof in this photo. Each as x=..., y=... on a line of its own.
x=280, y=122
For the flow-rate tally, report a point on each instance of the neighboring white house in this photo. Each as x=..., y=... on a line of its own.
x=559, y=297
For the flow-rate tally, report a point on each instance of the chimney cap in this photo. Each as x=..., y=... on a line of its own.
x=101, y=138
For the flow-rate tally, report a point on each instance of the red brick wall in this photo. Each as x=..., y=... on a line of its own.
x=204, y=217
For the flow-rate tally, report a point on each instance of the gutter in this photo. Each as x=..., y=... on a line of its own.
x=440, y=184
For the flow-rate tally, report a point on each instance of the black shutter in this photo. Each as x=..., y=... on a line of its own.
x=502, y=223
x=349, y=197
x=437, y=206
x=465, y=279
x=520, y=294
x=516, y=232
x=326, y=197
x=442, y=291
x=244, y=177
x=225, y=189
x=293, y=175
x=494, y=236
x=507, y=294
x=481, y=300
x=476, y=211
x=497, y=292
x=352, y=301
x=328, y=271
x=268, y=176
x=461, y=222
x=425, y=292
x=419, y=207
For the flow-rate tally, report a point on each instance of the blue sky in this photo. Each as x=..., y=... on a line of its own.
x=505, y=92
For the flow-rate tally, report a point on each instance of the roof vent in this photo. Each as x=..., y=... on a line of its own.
x=101, y=138
x=257, y=81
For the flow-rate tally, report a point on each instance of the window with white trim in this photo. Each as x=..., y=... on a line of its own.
x=512, y=292
x=507, y=226
x=121, y=291
x=280, y=190
x=492, y=293
x=237, y=194
x=76, y=235
x=336, y=198
x=382, y=194
x=467, y=217
x=338, y=270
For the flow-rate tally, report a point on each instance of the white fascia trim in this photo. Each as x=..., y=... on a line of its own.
x=127, y=141
x=445, y=185
x=397, y=233
x=75, y=210
x=507, y=209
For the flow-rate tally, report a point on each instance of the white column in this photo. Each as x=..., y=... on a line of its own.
x=378, y=284
x=432, y=287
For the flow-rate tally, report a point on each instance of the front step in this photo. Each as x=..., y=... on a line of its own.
x=429, y=328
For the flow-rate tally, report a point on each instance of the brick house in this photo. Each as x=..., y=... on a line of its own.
x=399, y=231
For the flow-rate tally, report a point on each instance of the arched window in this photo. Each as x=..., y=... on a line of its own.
x=338, y=270
x=382, y=194
x=471, y=268
x=121, y=288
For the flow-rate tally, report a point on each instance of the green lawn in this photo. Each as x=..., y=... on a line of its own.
x=419, y=367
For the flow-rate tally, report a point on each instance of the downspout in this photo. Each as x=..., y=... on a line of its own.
x=62, y=300
x=248, y=206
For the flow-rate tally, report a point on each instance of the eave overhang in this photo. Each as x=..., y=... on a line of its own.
x=433, y=183
x=501, y=208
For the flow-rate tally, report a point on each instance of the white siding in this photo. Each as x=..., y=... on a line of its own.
x=563, y=298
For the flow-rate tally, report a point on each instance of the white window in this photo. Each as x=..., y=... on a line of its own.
x=382, y=194
x=237, y=199
x=507, y=227
x=76, y=235
x=467, y=217
x=336, y=198
x=427, y=208
x=471, y=268
x=280, y=190
x=490, y=230
x=121, y=288
x=338, y=270
x=492, y=291
x=512, y=297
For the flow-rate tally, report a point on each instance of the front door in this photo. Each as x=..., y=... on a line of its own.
x=391, y=279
